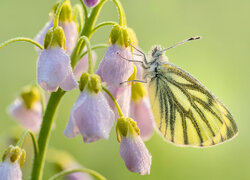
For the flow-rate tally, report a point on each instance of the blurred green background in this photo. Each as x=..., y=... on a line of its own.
x=220, y=61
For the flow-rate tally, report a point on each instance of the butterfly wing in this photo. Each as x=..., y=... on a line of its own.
x=186, y=112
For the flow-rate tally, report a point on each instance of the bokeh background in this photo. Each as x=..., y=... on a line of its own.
x=220, y=61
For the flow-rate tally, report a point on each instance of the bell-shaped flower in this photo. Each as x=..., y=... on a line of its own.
x=91, y=115
x=91, y=3
x=115, y=67
x=140, y=109
x=53, y=65
x=66, y=22
x=10, y=168
x=27, y=109
x=132, y=148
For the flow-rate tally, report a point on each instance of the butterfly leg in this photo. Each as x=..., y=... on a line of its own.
x=136, y=61
x=135, y=80
x=142, y=53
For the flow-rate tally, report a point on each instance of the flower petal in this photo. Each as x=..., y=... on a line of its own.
x=10, y=171
x=141, y=112
x=52, y=68
x=135, y=155
x=71, y=128
x=29, y=118
x=71, y=35
x=113, y=69
x=93, y=117
x=69, y=82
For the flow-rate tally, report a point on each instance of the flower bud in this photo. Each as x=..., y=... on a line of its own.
x=91, y=3
x=13, y=159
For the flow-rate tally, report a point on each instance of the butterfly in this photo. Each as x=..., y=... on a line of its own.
x=186, y=113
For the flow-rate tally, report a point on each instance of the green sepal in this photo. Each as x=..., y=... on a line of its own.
x=92, y=83
x=30, y=95
x=66, y=11
x=84, y=79
x=95, y=83
x=126, y=127
x=55, y=37
x=121, y=35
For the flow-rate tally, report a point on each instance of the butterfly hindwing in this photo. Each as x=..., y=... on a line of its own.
x=185, y=112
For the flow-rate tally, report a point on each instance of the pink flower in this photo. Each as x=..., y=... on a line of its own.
x=113, y=70
x=135, y=154
x=91, y=116
x=10, y=170
x=70, y=31
x=141, y=112
x=29, y=118
x=140, y=109
x=54, y=70
x=91, y=3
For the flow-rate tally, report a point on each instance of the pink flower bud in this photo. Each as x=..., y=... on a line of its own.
x=135, y=155
x=91, y=116
x=29, y=118
x=10, y=170
x=91, y=3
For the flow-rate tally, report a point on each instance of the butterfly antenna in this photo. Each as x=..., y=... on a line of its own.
x=182, y=42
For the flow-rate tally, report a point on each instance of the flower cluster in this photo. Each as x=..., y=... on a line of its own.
x=107, y=96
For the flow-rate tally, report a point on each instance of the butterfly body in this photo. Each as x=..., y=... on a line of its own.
x=186, y=113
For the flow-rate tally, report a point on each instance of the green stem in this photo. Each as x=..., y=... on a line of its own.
x=114, y=100
x=86, y=31
x=93, y=48
x=78, y=16
x=21, y=39
x=33, y=137
x=45, y=132
x=90, y=57
x=106, y=23
x=57, y=15
x=67, y=172
x=85, y=10
x=122, y=17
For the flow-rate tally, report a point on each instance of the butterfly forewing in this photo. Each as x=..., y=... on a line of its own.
x=185, y=112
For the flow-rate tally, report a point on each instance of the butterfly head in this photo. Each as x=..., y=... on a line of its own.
x=156, y=52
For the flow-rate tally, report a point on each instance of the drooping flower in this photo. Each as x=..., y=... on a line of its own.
x=115, y=69
x=66, y=22
x=27, y=109
x=53, y=65
x=140, y=109
x=13, y=159
x=91, y=115
x=132, y=149
x=91, y=3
